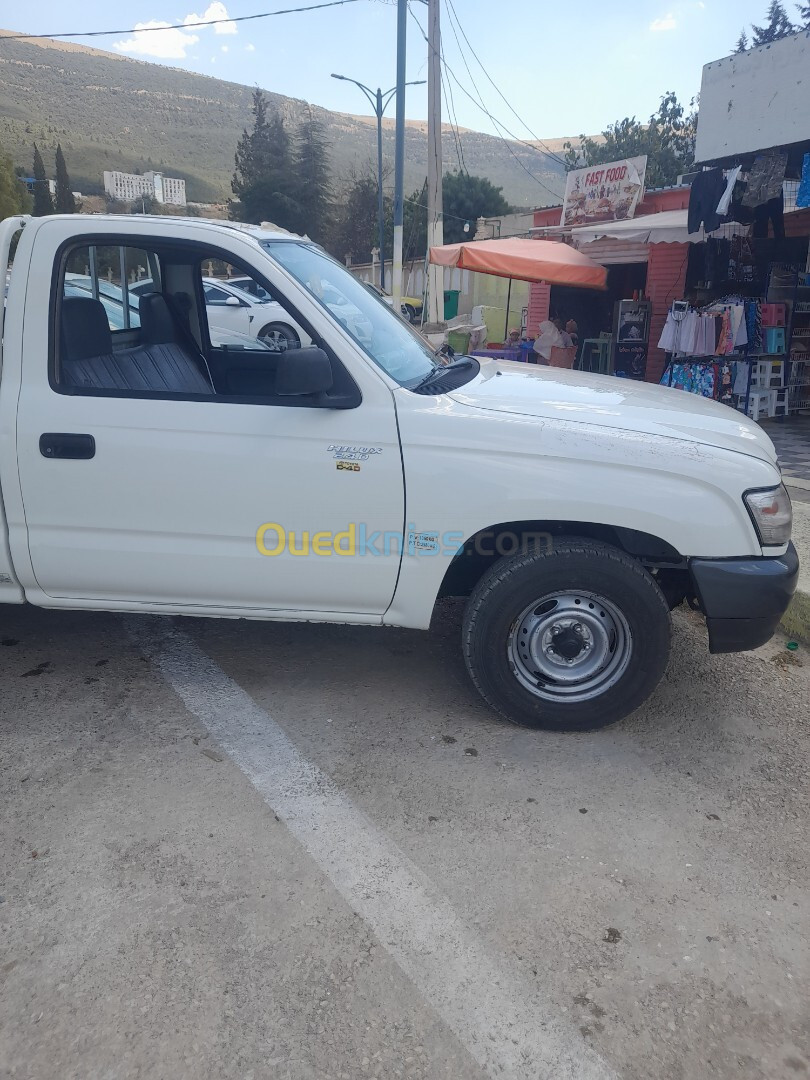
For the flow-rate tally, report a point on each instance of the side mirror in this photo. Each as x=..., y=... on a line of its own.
x=233, y=301
x=303, y=371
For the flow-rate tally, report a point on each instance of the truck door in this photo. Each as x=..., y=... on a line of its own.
x=149, y=460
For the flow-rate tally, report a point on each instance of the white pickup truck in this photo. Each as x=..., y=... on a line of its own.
x=361, y=478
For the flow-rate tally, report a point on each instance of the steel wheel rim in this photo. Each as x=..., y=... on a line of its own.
x=569, y=646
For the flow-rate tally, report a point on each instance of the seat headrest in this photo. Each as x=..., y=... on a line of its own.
x=157, y=324
x=84, y=329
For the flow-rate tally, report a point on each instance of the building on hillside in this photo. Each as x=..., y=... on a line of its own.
x=130, y=186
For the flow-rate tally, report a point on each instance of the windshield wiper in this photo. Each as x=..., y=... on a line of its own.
x=441, y=370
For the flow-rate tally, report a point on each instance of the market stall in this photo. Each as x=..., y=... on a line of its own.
x=523, y=260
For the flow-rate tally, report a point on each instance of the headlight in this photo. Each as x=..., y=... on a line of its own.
x=772, y=515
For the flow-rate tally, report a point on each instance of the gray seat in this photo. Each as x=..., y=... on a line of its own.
x=86, y=355
x=158, y=365
x=160, y=360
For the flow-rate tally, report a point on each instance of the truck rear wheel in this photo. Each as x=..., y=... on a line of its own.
x=569, y=639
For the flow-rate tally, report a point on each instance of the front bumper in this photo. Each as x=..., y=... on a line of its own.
x=744, y=599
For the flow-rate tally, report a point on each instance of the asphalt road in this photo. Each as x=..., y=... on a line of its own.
x=235, y=850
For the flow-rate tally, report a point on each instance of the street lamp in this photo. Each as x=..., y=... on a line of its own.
x=379, y=102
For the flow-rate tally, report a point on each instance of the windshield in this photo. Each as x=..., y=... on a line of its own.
x=387, y=339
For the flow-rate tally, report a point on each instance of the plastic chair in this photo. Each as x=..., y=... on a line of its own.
x=760, y=403
x=774, y=339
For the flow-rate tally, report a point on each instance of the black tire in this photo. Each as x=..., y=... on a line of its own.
x=410, y=313
x=514, y=595
x=279, y=337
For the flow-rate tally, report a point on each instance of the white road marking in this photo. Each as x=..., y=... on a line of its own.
x=498, y=1015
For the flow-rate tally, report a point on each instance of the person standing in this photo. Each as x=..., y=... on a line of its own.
x=548, y=336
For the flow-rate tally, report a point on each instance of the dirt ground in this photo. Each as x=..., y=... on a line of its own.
x=245, y=850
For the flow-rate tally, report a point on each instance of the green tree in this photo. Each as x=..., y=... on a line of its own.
x=354, y=230
x=65, y=203
x=804, y=15
x=742, y=42
x=264, y=180
x=465, y=198
x=668, y=140
x=43, y=203
x=777, y=26
x=313, y=177
x=14, y=199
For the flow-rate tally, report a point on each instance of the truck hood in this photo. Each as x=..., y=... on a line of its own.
x=607, y=401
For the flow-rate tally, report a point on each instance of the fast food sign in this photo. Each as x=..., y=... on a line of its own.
x=608, y=192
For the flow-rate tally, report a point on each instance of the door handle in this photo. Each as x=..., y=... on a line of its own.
x=59, y=444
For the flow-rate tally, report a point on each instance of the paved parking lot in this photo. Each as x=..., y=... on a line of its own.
x=235, y=850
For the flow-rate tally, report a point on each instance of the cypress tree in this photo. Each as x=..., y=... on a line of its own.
x=43, y=203
x=65, y=203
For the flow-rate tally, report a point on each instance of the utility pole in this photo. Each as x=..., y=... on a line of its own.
x=399, y=157
x=435, y=225
x=380, y=204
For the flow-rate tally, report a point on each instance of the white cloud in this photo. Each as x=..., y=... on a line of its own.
x=224, y=48
x=667, y=22
x=215, y=11
x=250, y=47
x=156, y=39
x=163, y=41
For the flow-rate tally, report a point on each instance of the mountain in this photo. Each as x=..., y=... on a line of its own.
x=112, y=112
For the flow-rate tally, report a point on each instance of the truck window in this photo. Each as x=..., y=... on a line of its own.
x=113, y=276
x=155, y=322
x=387, y=339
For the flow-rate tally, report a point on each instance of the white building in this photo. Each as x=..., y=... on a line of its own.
x=131, y=186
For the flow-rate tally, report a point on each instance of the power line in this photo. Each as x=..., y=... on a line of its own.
x=450, y=105
x=453, y=129
x=181, y=26
x=498, y=125
x=550, y=152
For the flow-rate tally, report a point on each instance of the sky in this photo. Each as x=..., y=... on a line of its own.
x=564, y=69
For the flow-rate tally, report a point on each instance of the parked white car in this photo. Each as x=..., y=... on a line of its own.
x=347, y=313
x=231, y=307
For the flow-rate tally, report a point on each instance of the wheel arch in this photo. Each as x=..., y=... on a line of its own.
x=483, y=548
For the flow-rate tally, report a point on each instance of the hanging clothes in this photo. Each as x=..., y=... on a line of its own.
x=706, y=191
x=765, y=178
x=725, y=198
x=738, y=326
x=773, y=210
x=741, y=262
x=753, y=323
x=670, y=340
x=803, y=196
x=726, y=343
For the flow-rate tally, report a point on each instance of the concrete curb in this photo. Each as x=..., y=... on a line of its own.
x=796, y=620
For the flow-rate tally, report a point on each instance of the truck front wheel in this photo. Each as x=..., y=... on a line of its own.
x=569, y=639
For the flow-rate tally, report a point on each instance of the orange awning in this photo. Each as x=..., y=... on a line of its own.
x=524, y=260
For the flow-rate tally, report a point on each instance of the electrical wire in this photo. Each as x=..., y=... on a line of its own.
x=549, y=152
x=499, y=126
x=180, y=26
x=441, y=213
x=451, y=112
x=480, y=104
